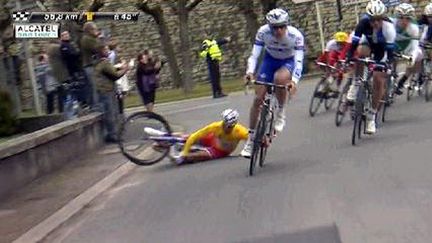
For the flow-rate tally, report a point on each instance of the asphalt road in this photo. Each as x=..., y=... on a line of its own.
x=316, y=187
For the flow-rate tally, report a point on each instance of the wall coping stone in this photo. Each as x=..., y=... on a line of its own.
x=34, y=139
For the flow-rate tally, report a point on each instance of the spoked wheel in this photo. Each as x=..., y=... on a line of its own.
x=331, y=97
x=410, y=90
x=427, y=88
x=268, y=138
x=137, y=144
x=263, y=153
x=358, y=116
x=388, y=100
x=342, y=106
x=384, y=111
x=384, y=106
x=329, y=102
x=317, y=96
x=356, y=129
x=257, y=152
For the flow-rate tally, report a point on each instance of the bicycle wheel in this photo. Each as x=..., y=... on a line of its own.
x=317, y=97
x=257, y=145
x=356, y=127
x=329, y=102
x=342, y=106
x=331, y=96
x=410, y=90
x=269, y=134
x=427, y=88
x=384, y=111
x=358, y=115
x=388, y=98
x=137, y=145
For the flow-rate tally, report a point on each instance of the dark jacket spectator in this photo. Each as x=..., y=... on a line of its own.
x=105, y=75
x=70, y=57
x=147, y=78
x=69, y=54
x=48, y=86
x=60, y=71
x=89, y=44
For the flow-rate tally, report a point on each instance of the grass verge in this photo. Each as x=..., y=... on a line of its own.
x=169, y=95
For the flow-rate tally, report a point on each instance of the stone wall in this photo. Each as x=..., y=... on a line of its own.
x=222, y=18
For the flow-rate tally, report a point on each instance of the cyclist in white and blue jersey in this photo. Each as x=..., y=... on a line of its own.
x=282, y=64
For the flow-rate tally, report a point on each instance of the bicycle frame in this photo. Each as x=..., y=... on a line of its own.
x=168, y=139
x=264, y=129
x=364, y=97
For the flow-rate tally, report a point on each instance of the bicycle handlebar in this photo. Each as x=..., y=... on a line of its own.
x=283, y=86
x=325, y=65
x=369, y=61
x=426, y=45
x=402, y=56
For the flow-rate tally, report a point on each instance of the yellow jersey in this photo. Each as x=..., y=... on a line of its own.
x=222, y=141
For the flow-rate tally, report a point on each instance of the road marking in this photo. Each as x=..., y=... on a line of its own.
x=41, y=230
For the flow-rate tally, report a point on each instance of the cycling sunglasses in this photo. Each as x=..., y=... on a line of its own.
x=405, y=17
x=278, y=27
x=374, y=19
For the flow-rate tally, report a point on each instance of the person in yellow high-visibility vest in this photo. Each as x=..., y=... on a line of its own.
x=212, y=53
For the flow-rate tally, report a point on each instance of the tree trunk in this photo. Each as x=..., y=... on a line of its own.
x=268, y=5
x=246, y=7
x=183, y=17
x=167, y=46
x=168, y=49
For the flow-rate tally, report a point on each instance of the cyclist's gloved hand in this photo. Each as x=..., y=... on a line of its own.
x=384, y=66
x=348, y=59
x=248, y=78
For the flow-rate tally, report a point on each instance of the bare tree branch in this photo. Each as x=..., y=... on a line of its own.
x=192, y=5
x=143, y=6
x=70, y=6
x=5, y=22
x=268, y=5
x=173, y=6
x=5, y=16
x=167, y=45
x=96, y=5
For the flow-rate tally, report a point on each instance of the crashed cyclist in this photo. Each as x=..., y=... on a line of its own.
x=214, y=141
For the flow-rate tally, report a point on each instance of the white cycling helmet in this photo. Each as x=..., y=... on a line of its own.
x=405, y=9
x=428, y=10
x=230, y=117
x=277, y=17
x=376, y=8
